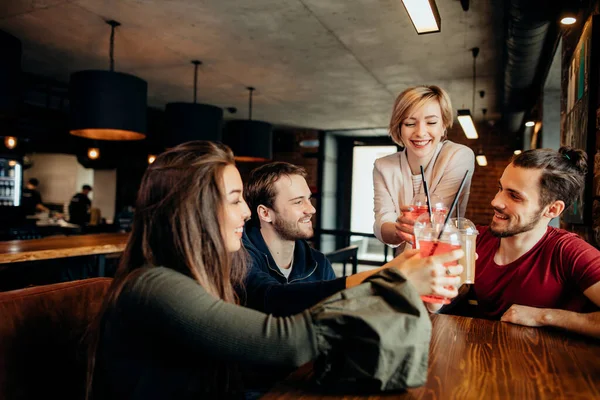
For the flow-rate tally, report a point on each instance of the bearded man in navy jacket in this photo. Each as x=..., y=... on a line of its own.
x=286, y=275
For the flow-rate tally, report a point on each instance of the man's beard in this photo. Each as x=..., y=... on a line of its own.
x=290, y=230
x=512, y=231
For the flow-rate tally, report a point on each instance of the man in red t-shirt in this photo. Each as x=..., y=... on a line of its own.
x=527, y=272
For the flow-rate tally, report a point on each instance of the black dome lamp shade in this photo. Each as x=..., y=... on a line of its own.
x=10, y=74
x=192, y=121
x=250, y=140
x=108, y=105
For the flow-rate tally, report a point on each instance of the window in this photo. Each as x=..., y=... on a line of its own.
x=361, y=219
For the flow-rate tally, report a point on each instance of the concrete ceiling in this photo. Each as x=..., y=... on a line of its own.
x=325, y=64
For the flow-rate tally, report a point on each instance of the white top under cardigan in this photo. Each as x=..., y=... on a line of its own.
x=393, y=186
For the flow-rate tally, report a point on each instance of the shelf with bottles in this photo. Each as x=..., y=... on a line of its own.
x=9, y=169
x=7, y=189
x=7, y=178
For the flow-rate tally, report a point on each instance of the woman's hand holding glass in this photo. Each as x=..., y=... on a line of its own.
x=405, y=224
x=428, y=274
x=409, y=214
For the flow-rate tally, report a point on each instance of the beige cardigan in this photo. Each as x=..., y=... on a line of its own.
x=392, y=181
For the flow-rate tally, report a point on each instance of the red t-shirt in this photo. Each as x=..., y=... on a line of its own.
x=553, y=274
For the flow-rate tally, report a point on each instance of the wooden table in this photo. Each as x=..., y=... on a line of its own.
x=479, y=359
x=15, y=251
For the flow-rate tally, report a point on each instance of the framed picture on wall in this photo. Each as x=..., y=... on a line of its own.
x=578, y=128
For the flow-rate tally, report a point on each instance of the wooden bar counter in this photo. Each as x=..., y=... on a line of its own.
x=480, y=359
x=15, y=251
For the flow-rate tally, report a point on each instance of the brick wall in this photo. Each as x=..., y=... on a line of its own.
x=498, y=149
x=286, y=147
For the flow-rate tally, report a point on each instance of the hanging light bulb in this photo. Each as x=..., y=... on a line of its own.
x=151, y=158
x=107, y=105
x=93, y=153
x=250, y=140
x=10, y=142
x=466, y=122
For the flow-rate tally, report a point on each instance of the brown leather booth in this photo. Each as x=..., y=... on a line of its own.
x=41, y=330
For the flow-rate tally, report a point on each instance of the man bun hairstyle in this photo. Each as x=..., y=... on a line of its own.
x=563, y=172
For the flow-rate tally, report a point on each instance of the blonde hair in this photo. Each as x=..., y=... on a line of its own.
x=414, y=98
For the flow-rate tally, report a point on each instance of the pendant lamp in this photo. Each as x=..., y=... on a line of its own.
x=464, y=116
x=192, y=121
x=250, y=140
x=108, y=105
x=10, y=74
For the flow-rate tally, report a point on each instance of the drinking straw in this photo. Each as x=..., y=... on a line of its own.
x=458, y=208
x=452, y=207
x=426, y=189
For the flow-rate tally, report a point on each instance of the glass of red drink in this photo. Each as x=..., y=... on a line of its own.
x=419, y=205
x=429, y=242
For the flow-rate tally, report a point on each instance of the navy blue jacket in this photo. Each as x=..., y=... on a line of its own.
x=312, y=278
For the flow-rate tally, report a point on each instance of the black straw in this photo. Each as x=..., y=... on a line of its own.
x=452, y=207
x=426, y=189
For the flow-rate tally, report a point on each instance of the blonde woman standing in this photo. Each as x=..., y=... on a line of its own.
x=419, y=123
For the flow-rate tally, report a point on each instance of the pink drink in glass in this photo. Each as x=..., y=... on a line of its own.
x=421, y=209
x=432, y=247
x=416, y=212
x=433, y=237
x=419, y=206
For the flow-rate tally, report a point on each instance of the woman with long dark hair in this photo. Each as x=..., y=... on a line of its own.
x=170, y=326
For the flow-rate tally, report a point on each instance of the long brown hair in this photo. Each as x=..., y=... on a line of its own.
x=176, y=225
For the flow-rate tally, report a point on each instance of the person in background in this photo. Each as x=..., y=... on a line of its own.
x=32, y=199
x=529, y=273
x=79, y=207
x=419, y=123
x=170, y=326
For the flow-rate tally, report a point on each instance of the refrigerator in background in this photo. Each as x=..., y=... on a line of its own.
x=11, y=183
x=11, y=187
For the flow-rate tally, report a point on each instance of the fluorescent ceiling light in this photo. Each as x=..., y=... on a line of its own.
x=481, y=160
x=529, y=123
x=424, y=15
x=465, y=120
